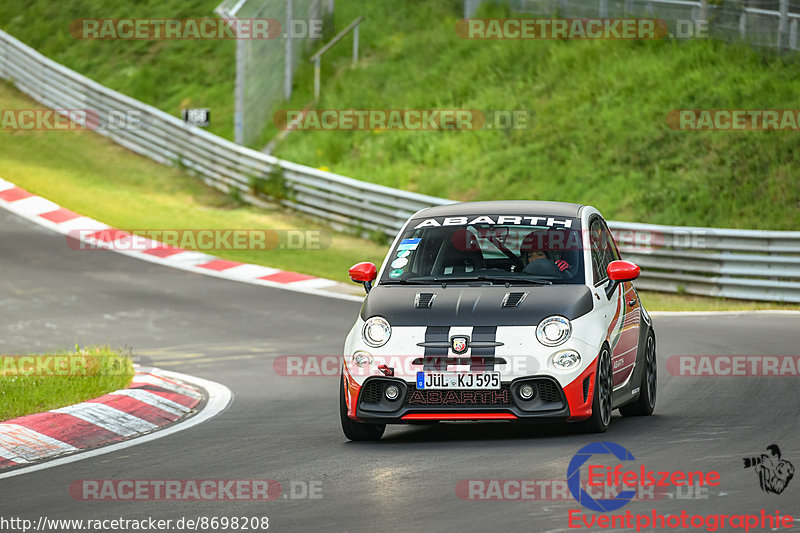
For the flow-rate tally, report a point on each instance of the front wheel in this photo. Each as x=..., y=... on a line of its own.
x=357, y=430
x=646, y=402
x=601, y=402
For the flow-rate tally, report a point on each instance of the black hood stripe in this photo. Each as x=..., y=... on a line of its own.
x=436, y=334
x=483, y=333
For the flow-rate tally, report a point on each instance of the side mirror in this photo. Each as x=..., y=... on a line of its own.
x=364, y=273
x=620, y=271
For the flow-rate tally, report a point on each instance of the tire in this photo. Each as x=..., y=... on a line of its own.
x=357, y=431
x=601, y=401
x=646, y=402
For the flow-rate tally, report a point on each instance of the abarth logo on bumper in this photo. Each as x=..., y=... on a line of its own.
x=460, y=344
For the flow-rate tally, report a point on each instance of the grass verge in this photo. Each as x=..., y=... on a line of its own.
x=92, y=176
x=97, y=178
x=44, y=382
x=596, y=132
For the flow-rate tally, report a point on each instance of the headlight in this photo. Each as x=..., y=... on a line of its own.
x=362, y=359
x=553, y=330
x=566, y=360
x=376, y=331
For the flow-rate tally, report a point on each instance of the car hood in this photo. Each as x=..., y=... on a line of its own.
x=461, y=305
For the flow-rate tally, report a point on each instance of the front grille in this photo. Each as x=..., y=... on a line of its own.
x=458, y=397
x=372, y=392
x=548, y=391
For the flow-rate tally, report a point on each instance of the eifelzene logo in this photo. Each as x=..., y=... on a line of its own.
x=774, y=473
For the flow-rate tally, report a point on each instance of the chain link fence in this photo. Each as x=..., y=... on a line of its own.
x=767, y=23
x=265, y=67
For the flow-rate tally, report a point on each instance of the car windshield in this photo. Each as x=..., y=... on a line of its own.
x=488, y=249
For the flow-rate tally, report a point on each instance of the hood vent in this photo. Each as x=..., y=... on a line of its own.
x=513, y=299
x=423, y=300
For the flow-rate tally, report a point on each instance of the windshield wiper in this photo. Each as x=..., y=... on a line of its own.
x=412, y=281
x=513, y=279
x=492, y=279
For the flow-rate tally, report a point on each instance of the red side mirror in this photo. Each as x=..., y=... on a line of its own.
x=363, y=272
x=622, y=271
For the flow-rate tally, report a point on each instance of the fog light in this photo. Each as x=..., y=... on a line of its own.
x=362, y=359
x=526, y=392
x=392, y=392
x=566, y=360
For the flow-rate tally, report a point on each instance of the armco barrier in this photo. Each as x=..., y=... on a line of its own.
x=761, y=265
x=344, y=202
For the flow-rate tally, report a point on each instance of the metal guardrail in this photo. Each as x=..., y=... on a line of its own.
x=760, y=265
x=344, y=202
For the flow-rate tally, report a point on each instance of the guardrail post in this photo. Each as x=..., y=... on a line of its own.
x=743, y=25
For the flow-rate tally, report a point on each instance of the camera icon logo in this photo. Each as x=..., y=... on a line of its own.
x=774, y=472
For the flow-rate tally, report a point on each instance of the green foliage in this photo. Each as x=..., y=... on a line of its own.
x=275, y=186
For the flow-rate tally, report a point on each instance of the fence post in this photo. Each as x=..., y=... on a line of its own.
x=317, y=68
x=629, y=7
x=783, y=25
x=355, y=44
x=238, y=112
x=603, y=9
x=287, y=70
x=793, y=34
x=703, y=10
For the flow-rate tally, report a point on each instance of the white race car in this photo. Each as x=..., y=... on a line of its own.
x=509, y=310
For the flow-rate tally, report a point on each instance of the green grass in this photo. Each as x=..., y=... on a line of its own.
x=97, y=178
x=169, y=74
x=597, y=135
x=64, y=377
x=662, y=301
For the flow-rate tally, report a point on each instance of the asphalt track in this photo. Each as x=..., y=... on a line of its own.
x=286, y=428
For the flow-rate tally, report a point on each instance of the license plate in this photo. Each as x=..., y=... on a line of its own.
x=458, y=380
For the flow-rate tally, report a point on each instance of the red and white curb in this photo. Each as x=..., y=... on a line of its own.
x=52, y=216
x=154, y=399
x=150, y=401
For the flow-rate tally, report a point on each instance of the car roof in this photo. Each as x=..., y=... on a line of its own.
x=503, y=207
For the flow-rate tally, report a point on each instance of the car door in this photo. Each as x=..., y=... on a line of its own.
x=622, y=305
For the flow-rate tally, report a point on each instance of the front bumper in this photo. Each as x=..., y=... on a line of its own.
x=550, y=402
